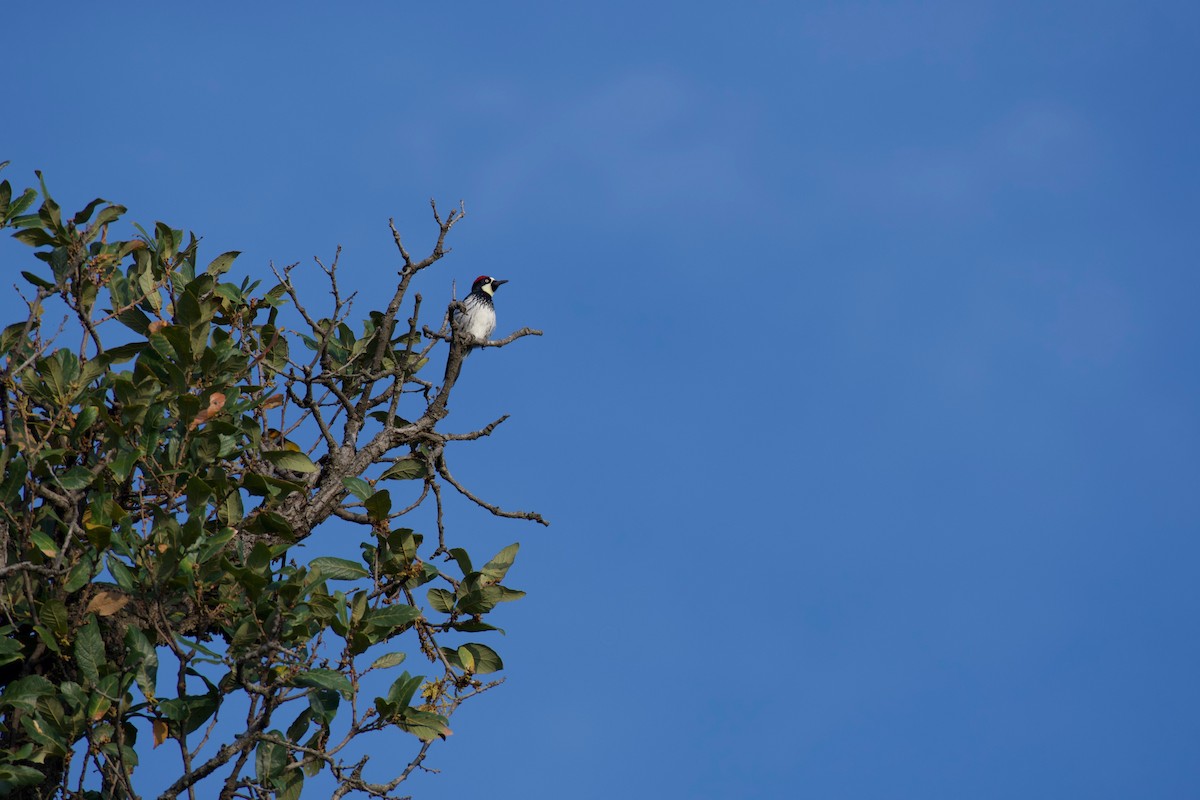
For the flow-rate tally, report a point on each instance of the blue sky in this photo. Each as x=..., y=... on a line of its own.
x=866, y=413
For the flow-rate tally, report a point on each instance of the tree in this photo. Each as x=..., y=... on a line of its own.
x=152, y=497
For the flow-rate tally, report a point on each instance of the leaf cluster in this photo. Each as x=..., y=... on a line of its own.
x=152, y=497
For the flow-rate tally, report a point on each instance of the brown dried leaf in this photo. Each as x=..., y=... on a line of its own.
x=107, y=603
x=216, y=402
x=160, y=732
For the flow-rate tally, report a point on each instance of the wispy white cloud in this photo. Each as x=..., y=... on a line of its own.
x=1021, y=321
x=1094, y=323
x=646, y=142
x=1038, y=147
x=867, y=34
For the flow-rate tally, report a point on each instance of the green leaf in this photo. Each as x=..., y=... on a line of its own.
x=109, y=214
x=497, y=568
x=178, y=340
x=461, y=657
x=165, y=240
x=10, y=650
x=389, y=618
x=60, y=371
x=13, y=480
x=145, y=657
x=34, y=237
x=24, y=693
x=358, y=607
x=405, y=469
x=508, y=595
x=198, y=493
x=484, y=658
x=230, y=293
x=214, y=544
x=23, y=202
x=404, y=544
x=87, y=417
x=299, y=725
x=53, y=614
x=382, y=417
x=75, y=478
x=120, y=573
x=80, y=575
x=190, y=711
x=401, y=692
x=270, y=523
x=462, y=559
x=425, y=725
x=75, y=695
x=98, y=705
x=324, y=704
x=290, y=784
x=325, y=679
x=388, y=660
x=231, y=511
x=16, y=775
x=39, y=282
x=187, y=314
x=44, y=727
x=472, y=626
x=86, y=214
x=89, y=651
x=441, y=600
x=358, y=487
x=480, y=601
x=44, y=544
x=428, y=573
x=270, y=759
x=264, y=486
x=338, y=569
x=196, y=647
x=289, y=459
x=123, y=464
x=50, y=209
x=136, y=320
x=222, y=263
x=378, y=505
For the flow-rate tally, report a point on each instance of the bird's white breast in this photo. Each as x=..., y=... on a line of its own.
x=480, y=318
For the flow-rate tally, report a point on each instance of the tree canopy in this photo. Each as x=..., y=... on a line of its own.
x=166, y=442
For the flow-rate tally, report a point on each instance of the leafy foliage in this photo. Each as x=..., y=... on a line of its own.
x=152, y=497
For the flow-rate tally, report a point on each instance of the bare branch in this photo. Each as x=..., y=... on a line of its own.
x=25, y=566
x=399, y=244
x=444, y=471
x=466, y=437
x=512, y=337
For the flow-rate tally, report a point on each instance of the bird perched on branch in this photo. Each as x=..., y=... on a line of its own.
x=479, y=317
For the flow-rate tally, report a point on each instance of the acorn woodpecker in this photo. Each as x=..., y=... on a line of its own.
x=479, y=318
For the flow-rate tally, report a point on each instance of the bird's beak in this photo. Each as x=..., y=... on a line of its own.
x=496, y=282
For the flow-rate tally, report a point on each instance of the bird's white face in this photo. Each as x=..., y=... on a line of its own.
x=488, y=285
